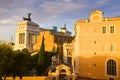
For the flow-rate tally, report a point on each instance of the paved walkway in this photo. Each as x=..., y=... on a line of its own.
x=29, y=78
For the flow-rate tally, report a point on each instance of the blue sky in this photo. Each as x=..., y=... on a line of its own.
x=48, y=13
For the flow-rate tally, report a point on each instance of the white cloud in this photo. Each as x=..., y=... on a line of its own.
x=67, y=0
x=53, y=9
x=57, y=8
x=47, y=12
x=99, y=3
x=7, y=21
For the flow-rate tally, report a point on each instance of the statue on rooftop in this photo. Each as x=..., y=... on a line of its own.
x=28, y=19
x=64, y=25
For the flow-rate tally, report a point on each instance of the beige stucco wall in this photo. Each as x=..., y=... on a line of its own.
x=92, y=47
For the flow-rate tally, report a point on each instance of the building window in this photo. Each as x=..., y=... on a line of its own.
x=69, y=60
x=111, y=29
x=103, y=29
x=94, y=65
x=34, y=38
x=111, y=67
x=30, y=38
x=56, y=39
x=94, y=53
x=69, y=53
x=94, y=42
x=21, y=38
x=64, y=40
x=112, y=47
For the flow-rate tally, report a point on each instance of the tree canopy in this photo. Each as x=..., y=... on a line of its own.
x=41, y=53
x=12, y=63
x=20, y=62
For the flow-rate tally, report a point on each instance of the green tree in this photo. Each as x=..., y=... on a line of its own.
x=27, y=58
x=41, y=53
x=6, y=63
x=42, y=68
x=21, y=61
x=47, y=62
x=25, y=51
x=41, y=56
x=42, y=60
x=33, y=62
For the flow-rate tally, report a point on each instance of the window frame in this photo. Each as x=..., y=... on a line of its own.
x=21, y=38
x=104, y=29
x=112, y=47
x=111, y=67
x=112, y=29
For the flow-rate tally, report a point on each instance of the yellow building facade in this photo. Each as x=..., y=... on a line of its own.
x=97, y=47
x=52, y=39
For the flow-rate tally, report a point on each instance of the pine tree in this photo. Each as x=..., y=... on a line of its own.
x=44, y=59
x=41, y=53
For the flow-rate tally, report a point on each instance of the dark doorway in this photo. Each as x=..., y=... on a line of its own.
x=111, y=78
x=62, y=77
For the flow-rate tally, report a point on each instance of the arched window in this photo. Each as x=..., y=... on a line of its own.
x=111, y=67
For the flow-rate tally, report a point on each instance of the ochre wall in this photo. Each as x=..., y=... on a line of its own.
x=92, y=47
x=48, y=41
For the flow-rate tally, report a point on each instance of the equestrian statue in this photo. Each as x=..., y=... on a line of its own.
x=28, y=19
